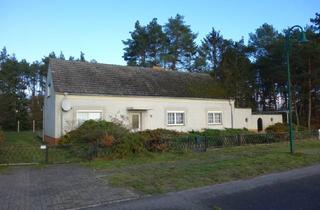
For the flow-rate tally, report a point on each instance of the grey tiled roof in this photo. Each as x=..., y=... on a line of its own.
x=83, y=78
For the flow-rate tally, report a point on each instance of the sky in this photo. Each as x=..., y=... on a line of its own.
x=32, y=29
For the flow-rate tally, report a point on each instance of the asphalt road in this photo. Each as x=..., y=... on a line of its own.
x=298, y=194
x=296, y=189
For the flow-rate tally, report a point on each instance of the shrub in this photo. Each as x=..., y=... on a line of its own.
x=1, y=136
x=277, y=128
x=158, y=140
x=102, y=137
x=283, y=127
x=91, y=131
x=218, y=132
x=131, y=144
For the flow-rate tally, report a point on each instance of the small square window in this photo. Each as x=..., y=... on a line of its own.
x=214, y=118
x=175, y=118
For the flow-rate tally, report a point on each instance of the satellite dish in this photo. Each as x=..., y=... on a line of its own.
x=66, y=106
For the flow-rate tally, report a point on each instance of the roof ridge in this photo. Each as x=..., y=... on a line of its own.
x=135, y=68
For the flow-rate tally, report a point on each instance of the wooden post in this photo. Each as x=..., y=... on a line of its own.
x=18, y=126
x=33, y=126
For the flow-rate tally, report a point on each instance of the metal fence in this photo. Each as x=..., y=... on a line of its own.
x=15, y=153
x=202, y=143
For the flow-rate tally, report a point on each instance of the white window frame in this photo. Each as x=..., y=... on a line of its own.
x=88, y=111
x=214, y=120
x=175, y=118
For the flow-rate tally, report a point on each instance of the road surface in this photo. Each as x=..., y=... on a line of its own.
x=296, y=189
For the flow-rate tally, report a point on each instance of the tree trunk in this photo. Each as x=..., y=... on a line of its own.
x=309, y=94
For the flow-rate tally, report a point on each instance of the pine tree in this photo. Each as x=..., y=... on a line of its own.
x=180, y=47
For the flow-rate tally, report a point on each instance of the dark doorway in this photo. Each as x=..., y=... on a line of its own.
x=260, y=125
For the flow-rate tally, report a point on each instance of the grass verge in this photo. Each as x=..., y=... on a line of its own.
x=159, y=173
x=21, y=138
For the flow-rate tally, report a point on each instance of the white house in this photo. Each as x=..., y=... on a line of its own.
x=141, y=98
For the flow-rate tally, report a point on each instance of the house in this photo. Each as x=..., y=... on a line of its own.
x=140, y=98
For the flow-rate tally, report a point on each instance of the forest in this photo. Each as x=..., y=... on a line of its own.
x=254, y=74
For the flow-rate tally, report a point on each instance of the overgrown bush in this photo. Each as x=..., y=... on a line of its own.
x=93, y=136
x=158, y=140
x=103, y=132
x=277, y=128
x=283, y=127
x=1, y=136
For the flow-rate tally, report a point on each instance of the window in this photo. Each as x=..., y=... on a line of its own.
x=175, y=118
x=214, y=118
x=83, y=116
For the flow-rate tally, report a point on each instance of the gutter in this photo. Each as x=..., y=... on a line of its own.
x=231, y=113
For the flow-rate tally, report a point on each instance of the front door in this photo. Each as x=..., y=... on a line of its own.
x=136, y=121
x=260, y=125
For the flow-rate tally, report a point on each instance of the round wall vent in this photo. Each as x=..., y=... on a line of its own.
x=66, y=106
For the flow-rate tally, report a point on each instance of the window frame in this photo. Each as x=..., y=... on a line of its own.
x=88, y=111
x=214, y=119
x=175, y=118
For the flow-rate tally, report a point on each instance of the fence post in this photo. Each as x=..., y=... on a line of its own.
x=33, y=126
x=205, y=143
x=319, y=134
x=18, y=126
x=239, y=139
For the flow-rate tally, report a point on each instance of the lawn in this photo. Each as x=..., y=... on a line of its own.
x=22, y=138
x=22, y=147
x=159, y=173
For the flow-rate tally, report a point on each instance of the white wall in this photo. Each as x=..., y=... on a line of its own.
x=154, y=117
x=267, y=119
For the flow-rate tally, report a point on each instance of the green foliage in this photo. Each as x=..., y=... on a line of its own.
x=2, y=137
x=224, y=132
x=131, y=145
x=108, y=136
x=146, y=46
x=158, y=140
x=92, y=131
x=283, y=127
x=277, y=128
x=180, y=47
x=172, y=47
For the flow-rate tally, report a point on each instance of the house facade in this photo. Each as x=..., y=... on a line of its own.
x=139, y=98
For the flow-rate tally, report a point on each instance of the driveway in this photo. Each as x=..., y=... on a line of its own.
x=56, y=187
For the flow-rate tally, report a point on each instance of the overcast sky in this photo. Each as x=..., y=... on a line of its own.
x=32, y=29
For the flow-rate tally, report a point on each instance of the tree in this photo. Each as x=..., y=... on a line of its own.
x=316, y=23
x=236, y=75
x=156, y=43
x=267, y=53
x=3, y=55
x=61, y=56
x=82, y=57
x=210, y=52
x=180, y=47
x=136, y=50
